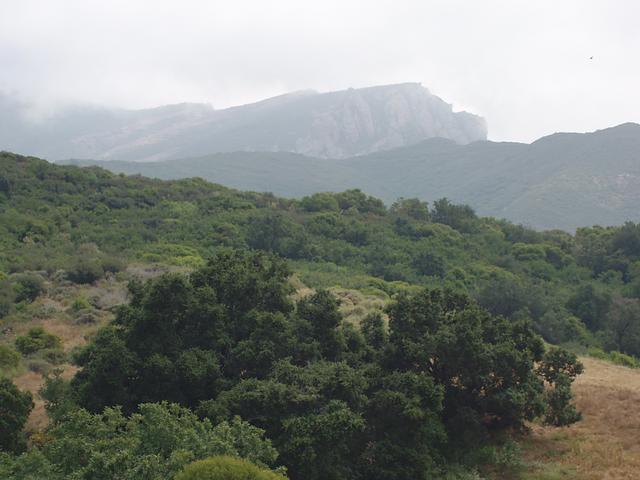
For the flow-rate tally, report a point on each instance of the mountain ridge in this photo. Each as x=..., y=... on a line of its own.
x=560, y=181
x=336, y=124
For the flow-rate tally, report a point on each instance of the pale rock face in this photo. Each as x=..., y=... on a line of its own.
x=358, y=122
x=327, y=125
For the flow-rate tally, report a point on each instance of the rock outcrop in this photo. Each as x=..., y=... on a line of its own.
x=326, y=125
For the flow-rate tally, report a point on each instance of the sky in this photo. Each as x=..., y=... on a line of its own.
x=525, y=66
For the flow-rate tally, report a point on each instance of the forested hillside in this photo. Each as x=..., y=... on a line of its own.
x=565, y=180
x=253, y=353
x=54, y=217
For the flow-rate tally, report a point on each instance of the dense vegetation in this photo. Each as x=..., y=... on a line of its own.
x=430, y=382
x=88, y=222
x=565, y=180
x=337, y=401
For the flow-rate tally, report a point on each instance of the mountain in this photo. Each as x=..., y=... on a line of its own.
x=565, y=180
x=327, y=125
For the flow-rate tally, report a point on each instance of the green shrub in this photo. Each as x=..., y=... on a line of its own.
x=15, y=407
x=559, y=368
x=112, y=265
x=614, y=357
x=623, y=359
x=9, y=359
x=7, y=298
x=37, y=339
x=226, y=468
x=80, y=303
x=560, y=411
x=156, y=443
x=85, y=270
x=54, y=356
x=28, y=286
x=39, y=366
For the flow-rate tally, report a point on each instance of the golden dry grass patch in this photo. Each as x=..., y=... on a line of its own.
x=605, y=445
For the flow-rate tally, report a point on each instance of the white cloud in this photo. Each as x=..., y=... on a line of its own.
x=523, y=65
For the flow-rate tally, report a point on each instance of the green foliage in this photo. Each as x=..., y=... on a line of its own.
x=337, y=401
x=623, y=325
x=28, y=286
x=561, y=411
x=85, y=269
x=180, y=336
x=615, y=357
x=37, y=339
x=319, y=202
x=157, y=442
x=458, y=217
x=89, y=222
x=560, y=368
x=368, y=399
x=80, y=303
x=226, y=468
x=15, y=407
x=591, y=305
x=411, y=207
x=483, y=363
x=429, y=264
x=559, y=362
x=7, y=297
x=56, y=392
x=9, y=359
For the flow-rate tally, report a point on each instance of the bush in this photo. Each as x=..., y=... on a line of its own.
x=80, y=303
x=623, y=359
x=559, y=368
x=37, y=339
x=85, y=317
x=9, y=359
x=112, y=265
x=156, y=443
x=55, y=356
x=39, y=366
x=28, y=286
x=85, y=270
x=614, y=357
x=560, y=411
x=7, y=298
x=226, y=468
x=15, y=407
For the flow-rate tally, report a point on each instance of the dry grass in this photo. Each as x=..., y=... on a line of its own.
x=605, y=445
x=54, y=315
x=32, y=382
x=354, y=304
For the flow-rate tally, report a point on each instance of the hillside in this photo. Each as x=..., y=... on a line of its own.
x=329, y=125
x=564, y=181
x=307, y=319
x=53, y=217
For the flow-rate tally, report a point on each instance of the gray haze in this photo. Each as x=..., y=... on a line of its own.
x=524, y=66
x=328, y=125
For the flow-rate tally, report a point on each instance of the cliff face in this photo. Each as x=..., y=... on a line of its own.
x=356, y=122
x=327, y=125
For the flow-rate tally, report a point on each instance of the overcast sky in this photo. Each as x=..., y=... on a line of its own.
x=523, y=65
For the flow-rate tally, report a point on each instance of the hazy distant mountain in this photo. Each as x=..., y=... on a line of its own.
x=327, y=125
x=565, y=180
